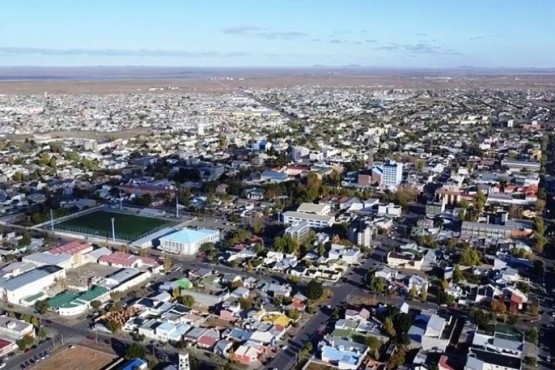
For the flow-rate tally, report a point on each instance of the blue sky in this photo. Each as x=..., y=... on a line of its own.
x=387, y=33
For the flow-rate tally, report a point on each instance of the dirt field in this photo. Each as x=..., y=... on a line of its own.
x=358, y=79
x=79, y=358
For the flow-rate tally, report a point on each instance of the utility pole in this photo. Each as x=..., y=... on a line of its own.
x=113, y=230
x=52, y=220
x=176, y=205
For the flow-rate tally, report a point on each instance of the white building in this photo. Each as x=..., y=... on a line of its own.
x=322, y=209
x=315, y=221
x=392, y=174
x=14, y=329
x=299, y=230
x=30, y=283
x=389, y=210
x=188, y=241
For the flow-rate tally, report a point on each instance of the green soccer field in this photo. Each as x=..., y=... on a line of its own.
x=128, y=227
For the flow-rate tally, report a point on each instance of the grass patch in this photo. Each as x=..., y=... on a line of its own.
x=127, y=226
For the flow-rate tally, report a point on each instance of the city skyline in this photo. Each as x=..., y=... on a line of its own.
x=278, y=34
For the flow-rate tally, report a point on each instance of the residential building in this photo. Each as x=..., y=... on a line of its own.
x=476, y=229
x=298, y=230
x=315, y=221
x=360, y=234
x=392, y=174
x=13, y=329
x=322, y=209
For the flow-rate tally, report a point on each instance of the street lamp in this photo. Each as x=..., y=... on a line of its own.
x=113, y=230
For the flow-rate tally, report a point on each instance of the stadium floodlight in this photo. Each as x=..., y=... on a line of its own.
x=113, y=230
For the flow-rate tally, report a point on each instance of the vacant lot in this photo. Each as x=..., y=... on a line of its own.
x=99, y=223
x=81, y=358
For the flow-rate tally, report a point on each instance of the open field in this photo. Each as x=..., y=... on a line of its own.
x=128, y=227
x=186, y=81
x=81, y=358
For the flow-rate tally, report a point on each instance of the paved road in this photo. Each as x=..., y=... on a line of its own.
x=287, y=358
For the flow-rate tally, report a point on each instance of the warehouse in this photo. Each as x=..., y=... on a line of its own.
x=30, y=283
x=188, y=241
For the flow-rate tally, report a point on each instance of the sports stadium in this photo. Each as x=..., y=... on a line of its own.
x=128, y=224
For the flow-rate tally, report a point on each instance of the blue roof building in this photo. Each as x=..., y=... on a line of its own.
x=188, y=241
x=135, y=364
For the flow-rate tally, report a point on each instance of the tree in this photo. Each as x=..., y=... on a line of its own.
x=413, y=292
x=293, y=314
x=498, y=306
x=539, y=226
x=52, y=163
x=532, y=335
x=42, y=306
x=388, y=326
x=25, y=239
x=420, y=164
x=246, y=303
x=540, y=205
x=376, y=285
x=531, y=361
x=135, y=350
x=402, y=323
x=470, y=257
x=42, y=333
x=375, y=345
x=96, y=304
x=188, y=300
x=396, y=359
x=168, y=263
x=480, y=201
x=523, y=287
x=534, y=309
x=539, y=242
x=314, y=289
x=457, y=274
x=538, y=267
x=258, y=227
x=113, y=325
x=25, y=342
x=424, y=295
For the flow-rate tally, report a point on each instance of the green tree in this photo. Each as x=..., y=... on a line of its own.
x=113, y=325
x=389, y=328
x=397, y=359
x=534, y=309
x=424, y=295
x=532, y=335
x=470, y=257
x=375, y=345
x=96, y=304
x=135, y=350
x=293, y=314
x=42, y=306
x=42, y=333
x=376, y=284
x=25, y=342
x=314, y=289
x=413, y=292
x=188, y=300
x=258, y=227
x=168, y=263
x=246, y=303
x=457, y=274
x=480, y=201
x=25, y=239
